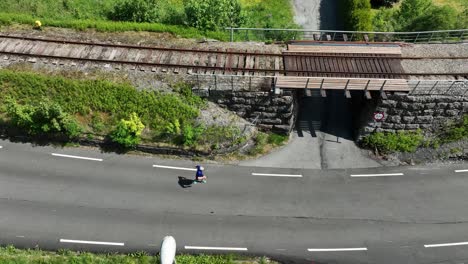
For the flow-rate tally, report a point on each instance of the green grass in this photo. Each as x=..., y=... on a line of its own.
x=93, y=14
x=11, y=255
x=84, y=97
x=408, y=141
x=98, y=106
x=110, y=26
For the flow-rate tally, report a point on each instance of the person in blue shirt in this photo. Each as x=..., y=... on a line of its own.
x=199, y=175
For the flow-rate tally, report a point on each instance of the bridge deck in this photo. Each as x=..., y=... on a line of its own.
x=342, y=83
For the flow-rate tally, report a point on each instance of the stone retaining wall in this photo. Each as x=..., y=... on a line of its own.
x=407, y=112
x=266, y=110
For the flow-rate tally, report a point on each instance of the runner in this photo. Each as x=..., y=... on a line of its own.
x=199, y=175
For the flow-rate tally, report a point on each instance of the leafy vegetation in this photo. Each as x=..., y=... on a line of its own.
x=188, y=18
x=421, y=15
x=409, y=141
x=10, y=255
x=42, y=117
x=455, y=131
x=42, y=104
x=213, y=14
x=127, y=132
x=357, y=14
x=404, y=141
x=265, y=141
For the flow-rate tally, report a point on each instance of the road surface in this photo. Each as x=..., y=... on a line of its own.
x=84, y=199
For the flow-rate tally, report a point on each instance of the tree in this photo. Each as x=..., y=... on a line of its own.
x=410, y=10
x=213, y=14
x=127, y=132
x=436, y=18
x=357, y=14
x=384, y=20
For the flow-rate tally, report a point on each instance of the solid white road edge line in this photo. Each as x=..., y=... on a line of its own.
x=75, y=157
x=377, y=175
x=446, y=245
x=277, y=175
x=91, y=242
x=173, y=168
x=216, y=248
x=455, y=170
x=335, y=249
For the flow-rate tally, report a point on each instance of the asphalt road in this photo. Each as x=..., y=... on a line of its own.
x=124, y=203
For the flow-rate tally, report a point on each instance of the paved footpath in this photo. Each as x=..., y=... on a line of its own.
x=84, y=199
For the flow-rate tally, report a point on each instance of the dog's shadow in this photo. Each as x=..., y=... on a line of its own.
x=184, y=182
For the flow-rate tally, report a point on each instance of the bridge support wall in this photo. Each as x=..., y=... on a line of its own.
x=411, y=112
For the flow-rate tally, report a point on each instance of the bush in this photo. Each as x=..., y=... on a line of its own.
x=419, y=15
x=128, y=132
x=136, y=11
x=213, y=14
x=456, y=131
x=404, y=141
x=44, y=117
x=276, y=139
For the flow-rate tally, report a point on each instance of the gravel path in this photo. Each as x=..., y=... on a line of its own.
x=317, y=14
x=442, y=66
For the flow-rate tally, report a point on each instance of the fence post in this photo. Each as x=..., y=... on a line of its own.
x=432, y=34
x=414, y=89
x=461, y=36
x=435, y=84
x=416, y=39
x=232, y=34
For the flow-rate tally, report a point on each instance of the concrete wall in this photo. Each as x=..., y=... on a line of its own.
x=407, y=112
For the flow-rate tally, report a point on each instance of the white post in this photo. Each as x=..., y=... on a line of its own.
x=168, y=250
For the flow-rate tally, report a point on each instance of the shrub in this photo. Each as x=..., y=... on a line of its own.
x=213, y=14
x=44, y=117
x=276, y=139
x=404, y=141
x=128, y=132
x=191, y=134
x=260, y=142
x=456, y=131
x=136, y=11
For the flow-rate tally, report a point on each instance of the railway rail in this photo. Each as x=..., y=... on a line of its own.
x=202, y=61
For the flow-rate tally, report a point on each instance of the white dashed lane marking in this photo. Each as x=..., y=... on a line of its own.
x=335, y=249
x=217, y=248
x=173, y=168
x=277, y=175
x=457, y=171
x=377, y=175
x=446, y=245
x=91, y=242
x=75, y=157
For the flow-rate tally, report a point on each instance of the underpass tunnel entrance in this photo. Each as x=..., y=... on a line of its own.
x=334, y=114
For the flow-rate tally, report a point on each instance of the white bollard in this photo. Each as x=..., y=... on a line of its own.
x=168, y=250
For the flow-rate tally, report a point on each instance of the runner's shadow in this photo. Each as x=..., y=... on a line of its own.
x=184, y=182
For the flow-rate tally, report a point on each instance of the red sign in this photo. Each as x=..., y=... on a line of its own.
x=379, y=116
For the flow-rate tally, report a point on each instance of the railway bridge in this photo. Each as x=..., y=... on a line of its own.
x=271, y=88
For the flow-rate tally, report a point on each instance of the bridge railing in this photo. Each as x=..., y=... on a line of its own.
x=209, y=85
x=276, y=34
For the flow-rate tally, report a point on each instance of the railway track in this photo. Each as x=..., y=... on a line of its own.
x=207, y=61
